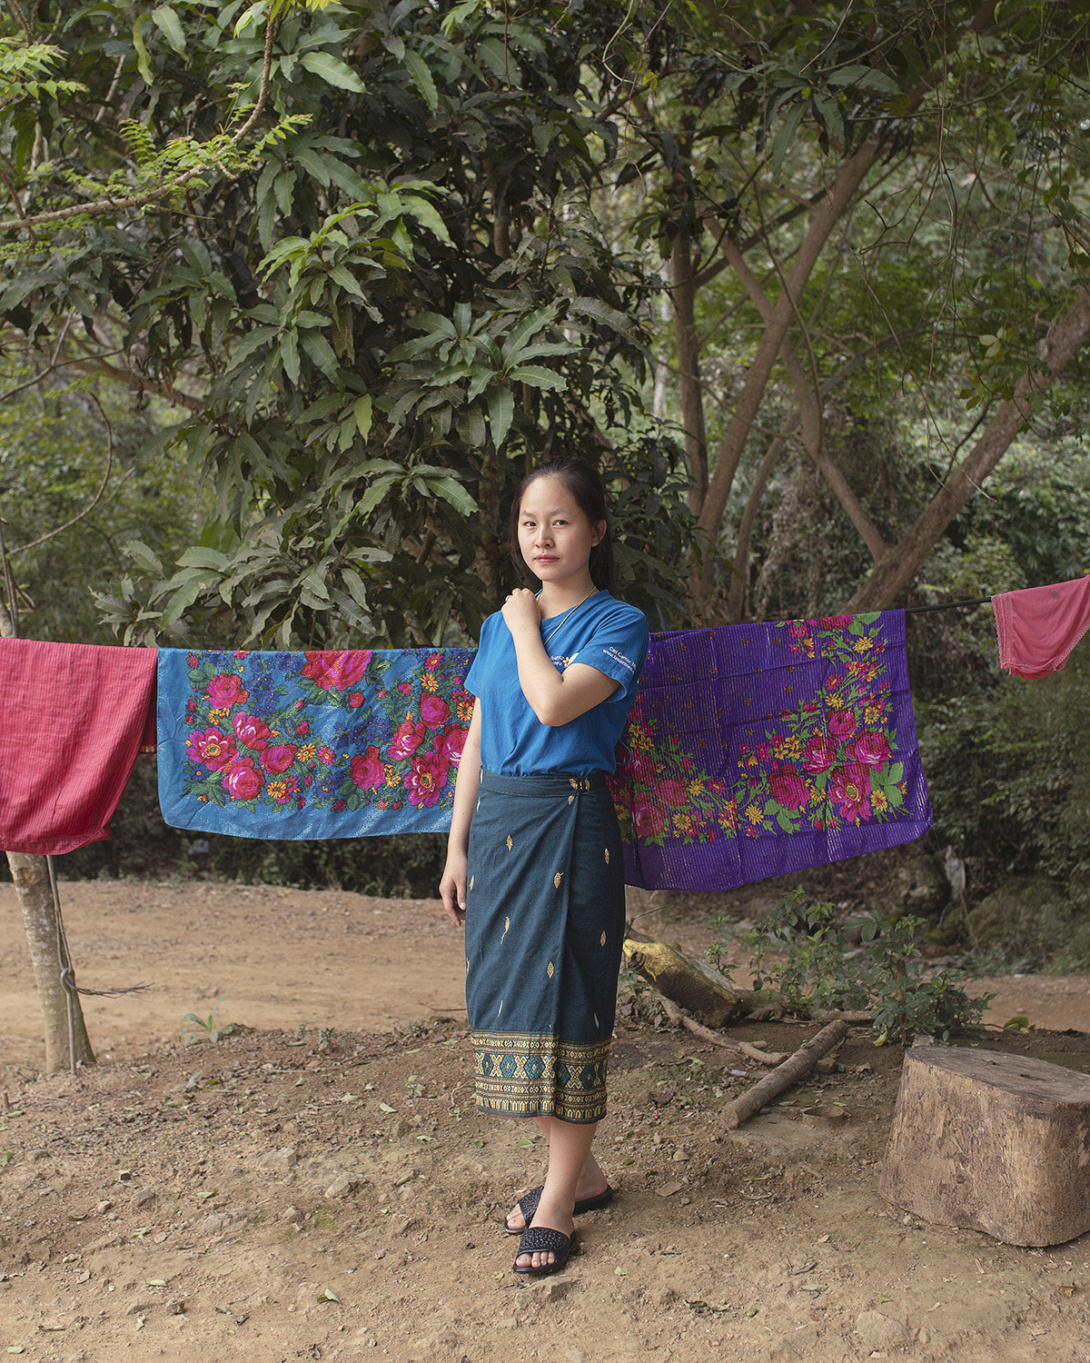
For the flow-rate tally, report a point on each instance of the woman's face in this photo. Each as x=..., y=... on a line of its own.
x=555, y=536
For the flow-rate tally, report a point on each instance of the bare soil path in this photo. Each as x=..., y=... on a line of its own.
x=321, y=1187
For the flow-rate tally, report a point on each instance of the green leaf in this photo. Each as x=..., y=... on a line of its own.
x=422, y=79
x=786, y=135
x=142, y=63
x=170, y=26
x=198, y=557
x=362, y=412
x=453, y=492
x=374, y=495
x=501, y=412
x=136, y=549
x=537, y=377
x=333, y=71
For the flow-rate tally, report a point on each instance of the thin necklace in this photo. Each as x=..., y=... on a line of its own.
x=570, y=611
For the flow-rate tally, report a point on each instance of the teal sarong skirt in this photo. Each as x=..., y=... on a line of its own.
x=544, y=926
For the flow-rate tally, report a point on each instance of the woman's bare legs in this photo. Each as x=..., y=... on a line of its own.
x=592, y=1180
x=569, y=1151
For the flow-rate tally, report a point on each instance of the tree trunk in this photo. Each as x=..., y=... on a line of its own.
x=31, y=877
x=991, y=1142
x=896, y=568
x=688, y=364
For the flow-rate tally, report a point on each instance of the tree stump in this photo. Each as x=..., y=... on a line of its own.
x=992, y=1142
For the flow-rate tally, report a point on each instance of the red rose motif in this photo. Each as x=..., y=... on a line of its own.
x=244, y=781
x=214, y=749
x=339, y=806
x=850, y=789
x=819, y=754
x=405, y=687
x=407, y=738
x=356, y=699
x=337, y=671
x=454, y=740
x=278, y=757
x=871, y=749
x=366, y=770
x=426, y=779
x=842, y=725
x=251, y=731
x=672, y=793
x=835, y=621
x=434, y=711
x=302, y=728
x=648, y=819
x=225, y=689
x=788, y=787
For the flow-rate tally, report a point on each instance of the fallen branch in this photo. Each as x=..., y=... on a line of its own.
x=790, y=1072
x=680, y=1019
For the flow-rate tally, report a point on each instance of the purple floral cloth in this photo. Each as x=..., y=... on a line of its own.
x=311, y=745
x=756, y=750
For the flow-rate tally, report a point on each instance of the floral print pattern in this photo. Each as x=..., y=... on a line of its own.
x=337, y=735
x=827, y=751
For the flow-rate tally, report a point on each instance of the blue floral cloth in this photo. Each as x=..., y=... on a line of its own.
x=311, y=745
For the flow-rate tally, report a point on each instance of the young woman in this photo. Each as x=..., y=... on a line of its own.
x=534, y=867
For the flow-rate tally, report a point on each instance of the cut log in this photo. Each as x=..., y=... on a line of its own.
x=790, y=1072
x=991, y=1142
x=691, y=984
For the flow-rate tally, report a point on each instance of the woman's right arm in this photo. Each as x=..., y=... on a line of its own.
x=452, y=887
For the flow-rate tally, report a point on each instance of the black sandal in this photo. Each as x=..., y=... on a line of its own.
x=542, y=1239
x=528, y=1207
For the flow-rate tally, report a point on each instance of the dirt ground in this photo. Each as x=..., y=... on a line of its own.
x=320, y=1186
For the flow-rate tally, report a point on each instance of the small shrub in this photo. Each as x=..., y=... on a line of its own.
x=805, y=960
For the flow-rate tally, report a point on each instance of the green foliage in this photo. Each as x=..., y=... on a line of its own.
x=370, y=312
x=204, y=1028
x=76, y=481
x=805, y=960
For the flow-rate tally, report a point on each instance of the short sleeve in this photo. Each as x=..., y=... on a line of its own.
x=474, y=681
x=617, y=647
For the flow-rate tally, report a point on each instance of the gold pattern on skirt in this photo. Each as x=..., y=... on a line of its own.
x=557, y=879
x=510, y=844
x=549, y=972
x=571, y=799
x=574, y=784
x=471, y=880
x=523, y=1075
x=607, y=856
x=603, y=939
x=499, y=1010
x=506, y=926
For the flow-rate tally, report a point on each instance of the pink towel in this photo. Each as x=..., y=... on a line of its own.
x=1040, y=626
x=73, y=718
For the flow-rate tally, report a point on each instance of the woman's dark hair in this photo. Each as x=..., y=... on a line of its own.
x=585, y=485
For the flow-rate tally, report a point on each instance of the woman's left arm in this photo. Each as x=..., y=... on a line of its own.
x=555, y=697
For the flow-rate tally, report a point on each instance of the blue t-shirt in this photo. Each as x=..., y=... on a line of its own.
x=604, y=633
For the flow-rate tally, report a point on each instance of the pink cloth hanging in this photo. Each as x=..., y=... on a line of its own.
x=1039, y=627
x=73, y=719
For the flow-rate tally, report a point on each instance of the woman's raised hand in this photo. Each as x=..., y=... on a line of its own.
x=521, y=610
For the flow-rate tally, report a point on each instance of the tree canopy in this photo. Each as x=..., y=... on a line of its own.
x=372, y=260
